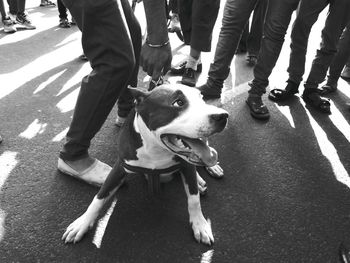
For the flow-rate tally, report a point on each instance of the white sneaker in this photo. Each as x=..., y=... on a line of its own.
x=24, y=21
x=9, y=25
x=12, y=16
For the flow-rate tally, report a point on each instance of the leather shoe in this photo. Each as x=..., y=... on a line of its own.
x=188, y=78
x=180, y=69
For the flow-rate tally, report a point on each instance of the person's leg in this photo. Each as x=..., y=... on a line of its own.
x=307, y=15
x=9, y=24
x=346, y=71
x=185, y=15
x=338, y=17
x=276, y=24
x=174, y=25
x=256, y=29
x=235, y=17
x=242, y=46
x=62, y=14
x=338, y=62
x=2, y=10
x=109, y=50
x=126, y=101
x=204, y=14
x=22, y=17
x=62, y=10
x=12, y=7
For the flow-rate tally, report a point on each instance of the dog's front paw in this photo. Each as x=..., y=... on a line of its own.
x=76, y=230
x=202, y=185
x=202, y=230
x=215, y=171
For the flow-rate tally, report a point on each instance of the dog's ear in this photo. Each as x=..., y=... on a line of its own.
x=138, y=94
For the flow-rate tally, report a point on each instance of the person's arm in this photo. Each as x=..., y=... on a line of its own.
x=156, y=52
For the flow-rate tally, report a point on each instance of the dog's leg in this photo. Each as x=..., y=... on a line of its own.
x=202, y=185
x=201, y=227
x=76, y=230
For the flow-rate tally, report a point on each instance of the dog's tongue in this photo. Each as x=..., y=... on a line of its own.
x=207, y=154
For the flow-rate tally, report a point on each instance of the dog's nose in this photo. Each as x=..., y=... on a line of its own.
x=219, y=117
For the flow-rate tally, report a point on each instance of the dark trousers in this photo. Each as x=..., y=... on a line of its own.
x=62, y=10
x=235, y=17
x=173, y=6
x=337, y=19
x=276, y=24
x=16, y=6
x=197, y=19
x=342, y=56
x=251, y=36
x=114, y=60
x=277, y=21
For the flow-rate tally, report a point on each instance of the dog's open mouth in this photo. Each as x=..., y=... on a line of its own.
x=195, y=151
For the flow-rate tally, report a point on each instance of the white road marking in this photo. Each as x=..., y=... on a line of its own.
x=329, y=151
x=7, y=163
x=33, y=129
x=59, y=137
x=207, y=257
x=102, y=224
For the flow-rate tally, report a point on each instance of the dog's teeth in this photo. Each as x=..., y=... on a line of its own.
x=179, y=143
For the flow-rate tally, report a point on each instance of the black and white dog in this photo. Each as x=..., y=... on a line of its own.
x=166, y=132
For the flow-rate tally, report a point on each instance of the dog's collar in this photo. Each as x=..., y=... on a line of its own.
x=142, y=170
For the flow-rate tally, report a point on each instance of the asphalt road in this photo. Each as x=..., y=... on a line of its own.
x=284, y=198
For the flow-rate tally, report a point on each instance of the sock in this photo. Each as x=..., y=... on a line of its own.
x=192, y=62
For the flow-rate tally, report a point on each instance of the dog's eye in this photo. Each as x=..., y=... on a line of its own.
x=178, y=103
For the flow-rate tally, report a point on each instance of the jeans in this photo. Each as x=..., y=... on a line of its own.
x=277, y=21
x=251, y=36
x=197, y=19
x=235, y=17
x=16, y=6
x=62, y=10
x=113, y=56
x=342, y=56
x=276, y=24
x=337, y=19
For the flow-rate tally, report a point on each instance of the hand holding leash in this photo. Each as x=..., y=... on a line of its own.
x=156, y=60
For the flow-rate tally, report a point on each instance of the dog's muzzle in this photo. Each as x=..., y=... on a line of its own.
x=193, y=150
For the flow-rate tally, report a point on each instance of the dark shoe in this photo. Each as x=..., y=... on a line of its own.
x=312, y=98
x=83, y=57
x=278, y=95
x=251, y=60
x=189, y=78
x=180, y=69
x=209, y=93
x=328, y=88
x=257, y=108
x=64, y=23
